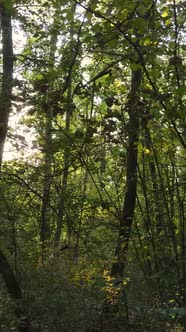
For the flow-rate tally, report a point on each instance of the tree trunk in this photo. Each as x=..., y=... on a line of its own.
x=47, y=108
x=64, y=178
x=131, y=178
x=111, y=307
x=15, y=292
x=45, y=207
x=7, y=75
x=6, y=271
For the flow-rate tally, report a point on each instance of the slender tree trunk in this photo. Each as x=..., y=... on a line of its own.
x=45, y=208
x=64, y=181
x=7, y=75
x=156, y=190
x=6, y=271
x=110, y=308
x=131, y=178
x=45, y=227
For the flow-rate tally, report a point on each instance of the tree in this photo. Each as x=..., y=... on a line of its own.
x=5, y=108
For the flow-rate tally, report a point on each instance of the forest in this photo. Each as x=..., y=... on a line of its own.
x=92, y=166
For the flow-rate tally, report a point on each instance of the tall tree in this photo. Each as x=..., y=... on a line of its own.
x=7, y=272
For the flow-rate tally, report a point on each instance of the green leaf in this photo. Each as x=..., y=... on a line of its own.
x=122, y=15
x=135, y=66
x=147, y=41
x=168, y=22
x=181, y=91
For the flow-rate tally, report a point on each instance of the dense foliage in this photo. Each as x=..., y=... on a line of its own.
x=93, y=194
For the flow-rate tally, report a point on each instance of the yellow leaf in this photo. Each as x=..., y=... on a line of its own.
x=146, y=151
x=117, y=83
x=165, y=14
